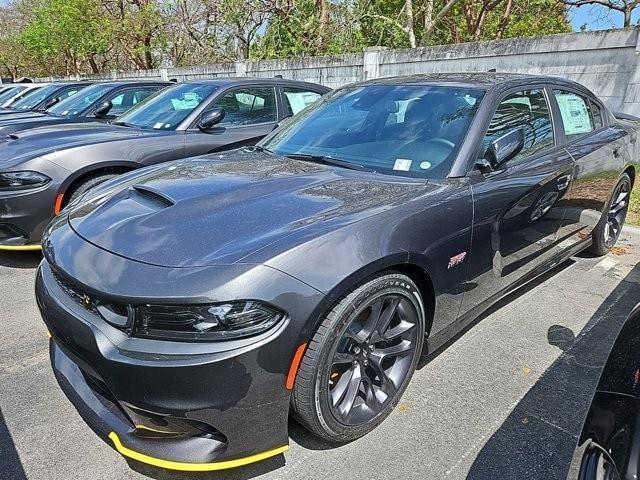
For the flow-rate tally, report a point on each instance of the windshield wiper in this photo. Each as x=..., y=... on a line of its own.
x=124, y=124
x=260, y=148
x=328, y=161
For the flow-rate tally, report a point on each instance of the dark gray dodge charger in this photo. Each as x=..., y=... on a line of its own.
x=43, y=169
x=193, y=305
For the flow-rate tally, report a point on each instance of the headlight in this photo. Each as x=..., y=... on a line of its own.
x=22, y=180
x=212, y=322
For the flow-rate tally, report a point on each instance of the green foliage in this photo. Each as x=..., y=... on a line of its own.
x=75, y=30
x=81, y=36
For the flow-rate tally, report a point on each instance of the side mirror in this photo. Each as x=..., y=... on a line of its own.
x=211, y=118
x=50, y=103
x=503, y=149
x=103, y=109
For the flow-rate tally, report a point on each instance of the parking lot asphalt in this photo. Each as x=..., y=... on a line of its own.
x=505, y=400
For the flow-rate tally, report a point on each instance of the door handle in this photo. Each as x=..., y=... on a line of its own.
x=563, y=182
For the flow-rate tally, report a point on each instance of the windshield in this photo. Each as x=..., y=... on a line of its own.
x=34, y=97
x=411, y=130
x=167, y=109
x=10, y=93
x=79, y=102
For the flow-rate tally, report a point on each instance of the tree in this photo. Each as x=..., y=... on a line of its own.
x=626, y=7
x=75, y=30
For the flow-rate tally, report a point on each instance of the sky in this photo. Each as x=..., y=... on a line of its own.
x=597, y=17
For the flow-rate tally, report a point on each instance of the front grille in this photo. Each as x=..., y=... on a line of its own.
x=83, y=299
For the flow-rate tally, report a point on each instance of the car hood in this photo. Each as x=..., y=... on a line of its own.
x=38, y=142
x=24, y=117
x=220, y=209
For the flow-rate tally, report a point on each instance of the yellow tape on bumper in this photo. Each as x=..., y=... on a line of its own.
x=20, y=248
x=193, y=467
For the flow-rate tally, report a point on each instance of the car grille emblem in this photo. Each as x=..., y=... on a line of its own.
x=456, y=260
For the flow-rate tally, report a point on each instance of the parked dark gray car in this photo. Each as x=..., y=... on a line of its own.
x=41, y=170
x=42, y=99
x=100, y=102
x=193, y=305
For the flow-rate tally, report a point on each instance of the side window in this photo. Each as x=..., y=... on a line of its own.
x=576, y=116
x=127, y=99
x=67, y=93
x=596, y=114
x=248, y=106
x=297, y=99
x=528, y=110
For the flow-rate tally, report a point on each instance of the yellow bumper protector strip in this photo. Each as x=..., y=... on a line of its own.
x=193, y=467
x=20, y=248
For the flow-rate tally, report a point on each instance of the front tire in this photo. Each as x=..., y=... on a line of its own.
x=361, y=359
x=87, y=184
x=607, y=232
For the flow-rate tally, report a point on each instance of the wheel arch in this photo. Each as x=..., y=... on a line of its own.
x=413, y=268
x=117, y=167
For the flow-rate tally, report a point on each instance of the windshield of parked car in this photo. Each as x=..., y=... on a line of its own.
x=79, y=102
x=167, y=109
x=10, y=93
x=410, y=130
x=34, y=97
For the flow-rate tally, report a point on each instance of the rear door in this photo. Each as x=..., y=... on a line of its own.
x=598, y=150
x=251, y=112
x=517, y=207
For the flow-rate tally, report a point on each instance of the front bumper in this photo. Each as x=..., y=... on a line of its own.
x=156, y=403
x=106, y=418
x=24, y=216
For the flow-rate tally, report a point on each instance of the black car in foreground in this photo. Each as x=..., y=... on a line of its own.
x=41, y=99
x=193, y=305
x=43, y=169
x=101, y=102
x=609, y=445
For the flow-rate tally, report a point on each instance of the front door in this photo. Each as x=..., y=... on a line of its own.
x=517, y=206
x=250, y=114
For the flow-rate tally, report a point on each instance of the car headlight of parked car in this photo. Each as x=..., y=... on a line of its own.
x=22, y=180
x=219, y=321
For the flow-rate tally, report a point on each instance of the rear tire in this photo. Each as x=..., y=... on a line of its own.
x=606, y=233
x=86, y=184
x=361, y=359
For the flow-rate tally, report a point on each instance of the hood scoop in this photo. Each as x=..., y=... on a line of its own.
x=149, y=194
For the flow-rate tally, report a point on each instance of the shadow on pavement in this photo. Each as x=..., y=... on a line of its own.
x=10, y=464
x=244, y=473
x=429, y=356
x=538, y=438
x=20, y=259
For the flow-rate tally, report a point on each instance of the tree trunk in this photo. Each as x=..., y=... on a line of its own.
x=504, y=21
x=627, y=15
x=93, y=64
x=323, y=8
x=429, y=24
x=410, y=30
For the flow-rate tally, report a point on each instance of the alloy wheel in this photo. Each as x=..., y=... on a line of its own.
x=617, y=213
x=372, y=359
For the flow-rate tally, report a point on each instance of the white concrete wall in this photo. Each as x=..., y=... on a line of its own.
x=607, y=62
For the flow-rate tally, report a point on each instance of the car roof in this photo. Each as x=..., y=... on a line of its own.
x=120, y=83
x=226, y=81
x=482, y=80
